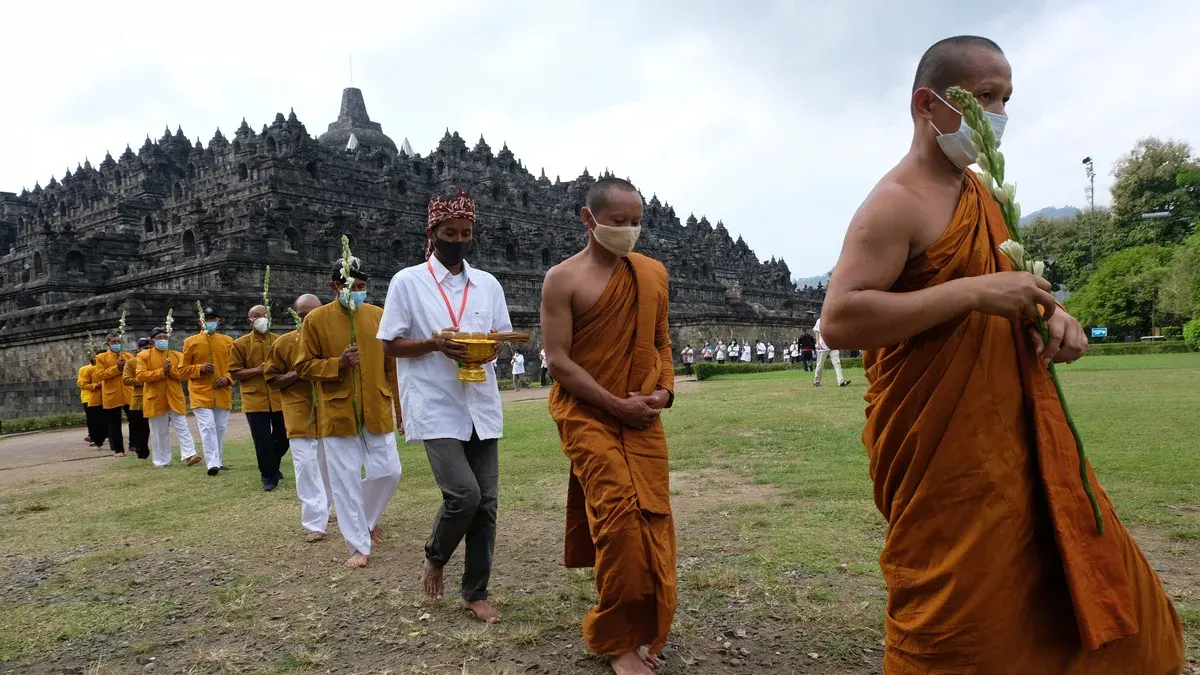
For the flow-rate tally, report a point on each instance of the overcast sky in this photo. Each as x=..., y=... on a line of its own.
x=775, y=116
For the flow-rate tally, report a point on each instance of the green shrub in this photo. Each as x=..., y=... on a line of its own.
x=1172, y=332
x=57, y=421
x=1147, y=347
x=705, y=370
x=1191, y=334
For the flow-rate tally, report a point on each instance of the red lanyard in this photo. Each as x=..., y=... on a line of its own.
x=449, y=308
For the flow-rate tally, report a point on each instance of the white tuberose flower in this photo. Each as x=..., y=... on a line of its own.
x=1015, y=253
x=1039, y=268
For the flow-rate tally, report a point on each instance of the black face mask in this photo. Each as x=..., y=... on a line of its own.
x=451, y=253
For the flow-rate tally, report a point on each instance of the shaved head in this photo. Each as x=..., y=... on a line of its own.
x=599, y=196
x=306, y=303
x=948, y=62
x=257, y=311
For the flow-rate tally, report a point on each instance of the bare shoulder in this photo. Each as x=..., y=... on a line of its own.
x=891, y=209
x=562, y=275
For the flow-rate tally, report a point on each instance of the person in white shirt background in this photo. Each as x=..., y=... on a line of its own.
x=770, y=352
x=823, y=351
x=734, y=351
x=761, y=350
x=518, y=370
x=460, y=423
x=747, y=353
x=687, y=356
x=544, y=374
x=720, y=351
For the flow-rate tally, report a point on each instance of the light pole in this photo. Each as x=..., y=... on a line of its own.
x=1091, y=195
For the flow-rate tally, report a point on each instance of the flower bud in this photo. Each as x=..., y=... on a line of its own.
x=1039, y=269
x=1015, y=252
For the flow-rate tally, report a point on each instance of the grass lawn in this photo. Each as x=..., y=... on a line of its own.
x=778, y=540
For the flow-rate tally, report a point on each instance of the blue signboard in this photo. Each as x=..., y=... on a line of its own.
x=1099, y=332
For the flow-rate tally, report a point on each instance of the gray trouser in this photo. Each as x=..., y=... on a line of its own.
x=468, y=475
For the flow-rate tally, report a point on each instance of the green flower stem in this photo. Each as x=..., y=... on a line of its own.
x=991, y=160
x=348, y=265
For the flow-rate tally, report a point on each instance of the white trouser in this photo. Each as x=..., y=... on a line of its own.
x=160, y=437
x=364, y=471
x=837, y=364
x=212, y=423
x=312, y=482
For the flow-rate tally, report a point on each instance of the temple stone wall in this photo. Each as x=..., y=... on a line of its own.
x=180, y=221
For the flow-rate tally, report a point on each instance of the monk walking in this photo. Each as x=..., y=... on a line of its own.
x=604, y=323
x=993, y=560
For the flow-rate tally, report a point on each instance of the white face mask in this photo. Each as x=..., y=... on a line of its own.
x=261, y=324
x=958, y=146
x=618, y=240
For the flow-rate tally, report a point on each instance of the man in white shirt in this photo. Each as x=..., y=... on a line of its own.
x=770, y=352
x=518, y=370
x=459, y=422
x=734, y=350
x=544, y=374
x=688, y=355
x=824, y=351
x=721, y=351
x=761, y=349
x=747, y=352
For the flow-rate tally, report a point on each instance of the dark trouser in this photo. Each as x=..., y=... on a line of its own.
x=270, y=443
x=687, y=368
x=545, y=376
x=139, y=432
x=762, y=358
x=808, y=360
x=468, y=475
x=96, y=424
x=112, y=425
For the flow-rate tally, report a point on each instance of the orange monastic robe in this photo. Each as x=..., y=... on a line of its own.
x=618, y=499
x=992, y=559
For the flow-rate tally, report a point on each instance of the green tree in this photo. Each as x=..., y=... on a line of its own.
x=1065, y=243
x=1155, y=177
x=1123, y=292
x=1180, y=292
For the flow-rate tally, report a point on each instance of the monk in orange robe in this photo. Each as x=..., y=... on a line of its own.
x=604, y=324
x=993, y=560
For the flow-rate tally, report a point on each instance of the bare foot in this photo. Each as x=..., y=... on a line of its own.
x=193, y=460
x=647, y=658
x=630, y=663
x=357, y=560
x=332, y=515
x=314, y=537
x=377, y=534
x=431, y=581
x=485, y=612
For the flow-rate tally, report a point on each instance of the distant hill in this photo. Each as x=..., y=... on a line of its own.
x=823, y=279
x=1050, y=213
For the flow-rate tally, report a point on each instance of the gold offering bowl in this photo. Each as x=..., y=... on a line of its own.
x=480, y=348
x=478, y=351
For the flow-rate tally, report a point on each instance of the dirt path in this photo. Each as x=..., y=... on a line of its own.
x=44, y=459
